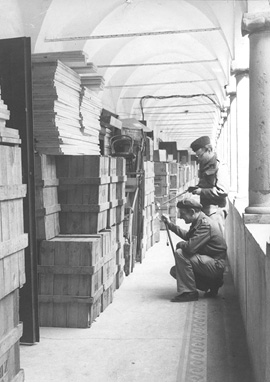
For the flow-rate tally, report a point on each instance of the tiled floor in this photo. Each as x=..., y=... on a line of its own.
x=143, y=337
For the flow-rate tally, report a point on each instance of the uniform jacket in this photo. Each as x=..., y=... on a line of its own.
x=214, y=184
x=203, y=238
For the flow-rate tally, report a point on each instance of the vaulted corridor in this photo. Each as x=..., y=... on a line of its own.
x=76, y=79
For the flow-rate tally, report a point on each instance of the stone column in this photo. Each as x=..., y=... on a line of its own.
x=242, y=127
x=257, y=26
x=232, y=135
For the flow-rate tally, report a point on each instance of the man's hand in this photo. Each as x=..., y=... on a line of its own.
x=180, y=244
x=197, y=191
x=194, y=190
x=165, y=218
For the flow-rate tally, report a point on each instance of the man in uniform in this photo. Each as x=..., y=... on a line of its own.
x=213, y=185
x=200, y=257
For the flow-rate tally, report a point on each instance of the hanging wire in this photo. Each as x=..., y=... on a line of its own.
x=175, y=96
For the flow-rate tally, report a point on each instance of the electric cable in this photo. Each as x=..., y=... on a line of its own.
x=176, y=96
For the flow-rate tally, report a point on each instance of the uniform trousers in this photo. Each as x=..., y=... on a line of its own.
x=186, y=266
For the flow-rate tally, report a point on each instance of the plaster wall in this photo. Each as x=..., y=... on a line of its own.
x=11, y=22
x=249, y=260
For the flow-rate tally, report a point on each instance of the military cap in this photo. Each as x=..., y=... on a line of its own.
x=189, y=203
x=200, y=142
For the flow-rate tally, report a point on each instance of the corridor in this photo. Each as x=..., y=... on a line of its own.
x=143, y=337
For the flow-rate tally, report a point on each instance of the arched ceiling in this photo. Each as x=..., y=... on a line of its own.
x=165, y=61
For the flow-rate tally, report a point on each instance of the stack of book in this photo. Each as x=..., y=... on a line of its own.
x=93, y=81
x=7, y=135
x=76, y=60
x=56, y=110
x=90, y=110
x=69, y=58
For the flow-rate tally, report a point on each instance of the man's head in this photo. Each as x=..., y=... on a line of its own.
x=203, y=149
x=189, y=209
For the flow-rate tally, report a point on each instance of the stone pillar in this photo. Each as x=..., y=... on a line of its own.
x=242, y=127
x=257, y=26
x=232, y=135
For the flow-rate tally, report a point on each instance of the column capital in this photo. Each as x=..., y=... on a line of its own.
x=239, y=71
x=255, y=22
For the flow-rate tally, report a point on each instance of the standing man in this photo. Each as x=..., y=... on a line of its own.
x=213, y=185
x=200, y=257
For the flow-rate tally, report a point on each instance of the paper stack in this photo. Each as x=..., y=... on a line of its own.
x=90, y=110
x=7, y=135
x=93, y=81
x=76, y=60
x=71, y=58
x=56, y=110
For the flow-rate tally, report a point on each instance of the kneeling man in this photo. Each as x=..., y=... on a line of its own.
x=200, y=257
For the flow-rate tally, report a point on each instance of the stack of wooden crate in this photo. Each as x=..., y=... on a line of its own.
x=118, y=199
x=162, y=188
x=80, y=268
x=13, y=242
x=174, y=190
x=149, y=212
x=70, y=280
x=109, y=124
x=46, y=197
x=83, y=193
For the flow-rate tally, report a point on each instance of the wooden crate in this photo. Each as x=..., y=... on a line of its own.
x=162, y=180
x=156, y=236
x=46, y=197
x=116, y=215
x=120, y=232
x=11, y=170
x=109, y=270
x=173, y=168
x=83, y=219
x=119, y=276
x=69, y=311
x=83, y=191
x=112, y=192
x=111, y=241
x=107, y=238
x=160, y=155
x=120, y=166
x=83, y=194
x=161, y=168
x=119, y=258
x=149, y=149
x=113, y=166
x=47, y=222
x=13, y=242
x=161, y=190
x=149, y=169
x=10, y=333
x=174, y=181
x=149, y=198
x=120, y=190
x=70, y=280
x=12, y=271
x=82, y=166
x=107, y=296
